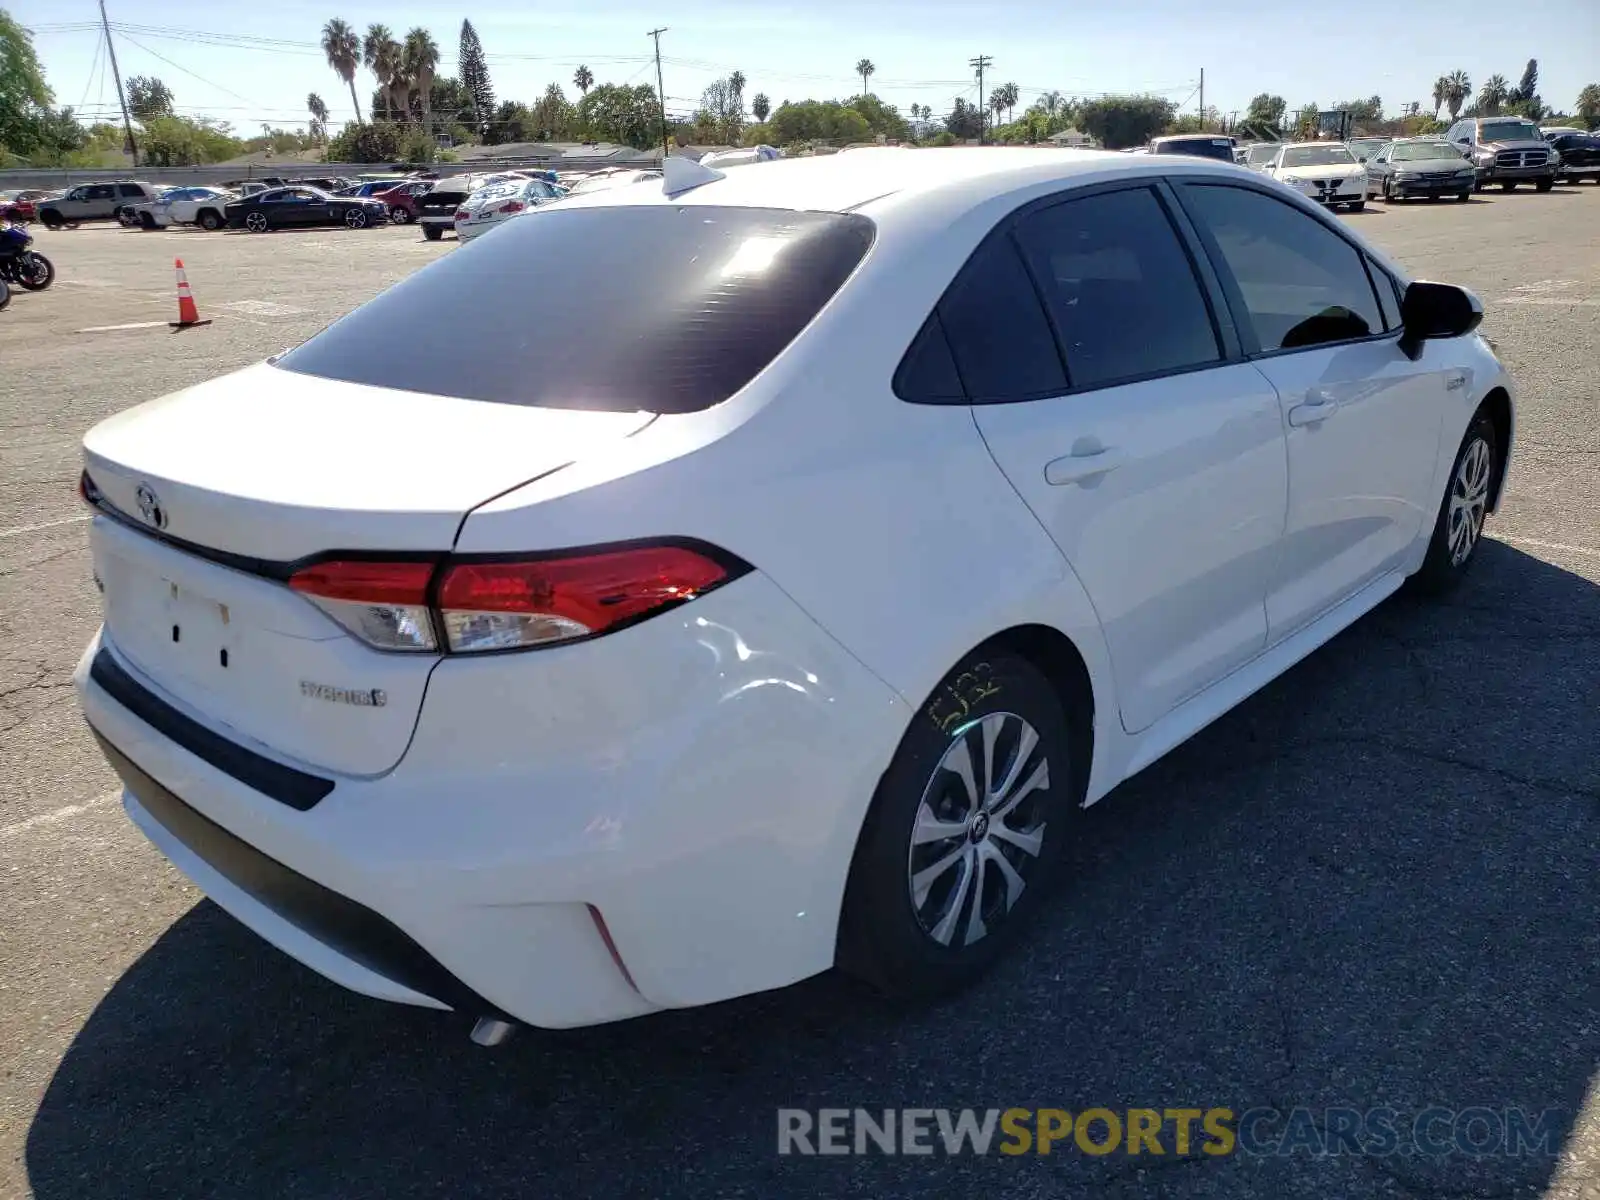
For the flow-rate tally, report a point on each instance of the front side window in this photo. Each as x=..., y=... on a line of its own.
x=1119, y=288
x=102, y=191
x=1300, y=284
x=663, y=309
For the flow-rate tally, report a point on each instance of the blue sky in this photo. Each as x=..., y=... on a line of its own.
x=921, y=49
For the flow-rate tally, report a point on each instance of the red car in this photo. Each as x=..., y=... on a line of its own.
x=21, y=207
x=402, y=199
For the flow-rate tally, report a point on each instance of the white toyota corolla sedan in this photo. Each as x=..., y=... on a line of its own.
x=774, y=593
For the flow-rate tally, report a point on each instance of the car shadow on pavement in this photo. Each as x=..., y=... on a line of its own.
x=1373, y=884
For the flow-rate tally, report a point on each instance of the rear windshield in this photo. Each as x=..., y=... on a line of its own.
x=620, y=308
x=1202, y=147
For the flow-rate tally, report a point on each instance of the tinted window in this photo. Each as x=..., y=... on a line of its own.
x=102, y=191
x=1220, y=148
x=661, y=309
x=130, y=189
x=1300, y=283
x=998, y=333
x=1119, y=287
x=1388, y=294
x=927, y=374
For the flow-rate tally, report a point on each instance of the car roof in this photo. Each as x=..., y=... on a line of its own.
x=843, y=183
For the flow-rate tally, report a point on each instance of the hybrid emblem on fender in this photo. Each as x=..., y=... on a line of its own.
x=360, y=697
x=150, y=506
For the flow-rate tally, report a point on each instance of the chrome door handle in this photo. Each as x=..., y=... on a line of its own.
x=1083, y=465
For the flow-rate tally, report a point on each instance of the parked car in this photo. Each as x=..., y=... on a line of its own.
x=202, y=206
x=498, y=203
x=436, y=209
x=740, y=157
x=1259, y=155
x=561, y=654
x=22, y=206
x=371, y=187
x=282, y=208
x=1422, y=167
x=250, y=187
x=326, y=183
x=96, y=202
x=606, y=180
x=1506, y=150
x=402, y=199
x=1365, y=147
x=1551, y=132
x=1203, y=145
x=1578, y=156
x=1324, y=171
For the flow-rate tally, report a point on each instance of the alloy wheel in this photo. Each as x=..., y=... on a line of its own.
x=979, y=829
x=256, y=222
x=354, y=218
x=1469, y=496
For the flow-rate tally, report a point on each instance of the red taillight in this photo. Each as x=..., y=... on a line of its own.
x=512, y=206
x=504, y=605
x=508, y=604
x=383, y=603
x=462, y=214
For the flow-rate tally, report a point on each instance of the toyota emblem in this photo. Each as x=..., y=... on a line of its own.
x=150, y=506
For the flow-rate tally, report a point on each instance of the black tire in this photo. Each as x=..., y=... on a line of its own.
x=1433, y=197
x=51, y=218
x=1441, y=569
x=432, y=232
x=210, y=220
x=399, y=215
x=885, y=936
x=35, y=272
x=1358, y=206
x=1574, y=180
x=1543, y=185
x=1508, y=185
x=355, y=218
x=147, y=221
x=257, y=221
x=5, y=293
x=1464, y=196
x=1388, y=190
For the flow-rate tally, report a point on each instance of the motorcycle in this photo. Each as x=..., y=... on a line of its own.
x=26, y=268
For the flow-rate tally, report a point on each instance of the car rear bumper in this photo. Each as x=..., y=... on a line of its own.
x=660, y=818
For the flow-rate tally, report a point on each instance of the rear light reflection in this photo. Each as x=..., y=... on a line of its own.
x=462, y=214
x=509, y=604
x=512, y=206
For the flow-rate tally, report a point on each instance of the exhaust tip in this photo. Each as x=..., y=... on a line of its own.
x=491, y=1031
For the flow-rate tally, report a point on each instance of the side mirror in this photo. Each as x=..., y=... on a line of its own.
x=1436, y=310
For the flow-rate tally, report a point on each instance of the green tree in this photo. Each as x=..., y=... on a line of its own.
x=475, y=76
x=1370, y=109
x=1589, y=105
x=319, y=118
x=882, y=119
x=965, y=120
x=583, y=80
x=736, y=82
x=866, y=70
x=451, y=105
x=554, y=118
x=761, y=106
x=1118, y=122
x=24, y=94
x=817, y=121
x=1267, y=110
x=1528, y=86
x=1493, y=94
x=420, y=62
x=1457, y=87
x=378, y=142
x=617, y=113
x=512, y=122
x=181, y=142
x=1008, y=94
x=342, y=48
x=758, y=135
x=380, y=53
x=148, y=98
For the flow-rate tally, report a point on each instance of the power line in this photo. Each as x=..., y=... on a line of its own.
x=186, y=71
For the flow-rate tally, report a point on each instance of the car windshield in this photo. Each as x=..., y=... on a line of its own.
x=1261, y=154
x=1508, y=131
x=1368, y=144
x=1420, y=151
x=662, y=309
x=1316, y=156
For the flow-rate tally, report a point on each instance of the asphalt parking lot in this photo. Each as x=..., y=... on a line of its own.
x=1375, y=883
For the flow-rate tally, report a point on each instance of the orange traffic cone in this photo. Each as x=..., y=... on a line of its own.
x=188, y=314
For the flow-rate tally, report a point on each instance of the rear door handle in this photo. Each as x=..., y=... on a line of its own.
x=1319, y=406
x=1083, y=465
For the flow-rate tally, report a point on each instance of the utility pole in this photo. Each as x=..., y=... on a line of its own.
x=117, y=75
x=661, y=91
x=980, y=63
x=1202, y=99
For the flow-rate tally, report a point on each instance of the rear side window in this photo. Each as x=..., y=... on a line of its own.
x=1119, y=287
x=928, y=374
x=1299, y=283
x=659, y=309
x=998, y=333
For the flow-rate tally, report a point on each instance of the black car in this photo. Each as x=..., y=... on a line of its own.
x=1580, y=156
x=289, y=207
x=1421, y=167
x=1200, y=145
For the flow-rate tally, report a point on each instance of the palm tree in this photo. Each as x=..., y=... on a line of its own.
x=343, y=50
x=865, y=69
x=1441, y=88
x=761, y=106
x=583, y=79
x=736, y=83
x=381, y=54
x=1459, y=87
x=1052, y=103
x=421, y=59
x=1493, y=94
x=1010, y=94
x=319, y=117
x=1589, y=104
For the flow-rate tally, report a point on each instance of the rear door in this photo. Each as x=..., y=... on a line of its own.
x=100, y=200
x=1122, y=415
x=1363, y=420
